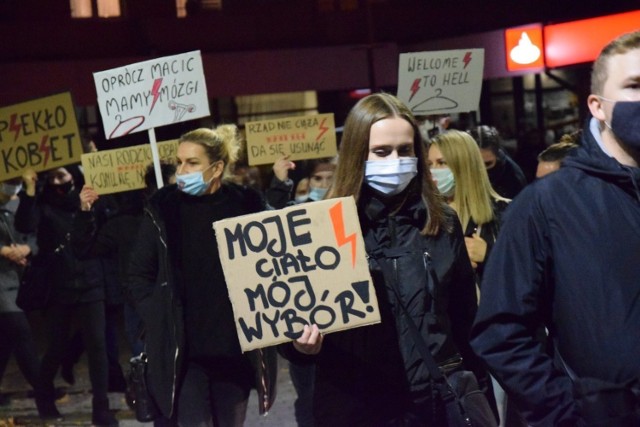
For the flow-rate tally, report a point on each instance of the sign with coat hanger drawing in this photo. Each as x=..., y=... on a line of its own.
x=442, y=81
x=152, y=93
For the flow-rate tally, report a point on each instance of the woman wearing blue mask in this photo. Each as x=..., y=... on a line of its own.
x=318, y=181
x=197, y=374
x=458, y=170
x=375, y=375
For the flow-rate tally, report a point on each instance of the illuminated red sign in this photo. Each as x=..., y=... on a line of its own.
x=524, y=48
x=581, y=41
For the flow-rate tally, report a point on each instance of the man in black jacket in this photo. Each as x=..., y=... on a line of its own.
x=567, y=260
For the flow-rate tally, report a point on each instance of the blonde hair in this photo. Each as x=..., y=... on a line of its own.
x=221, y=143
x=473, y=193
x=354, y=151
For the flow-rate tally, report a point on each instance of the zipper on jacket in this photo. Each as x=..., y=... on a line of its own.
x=426, y=259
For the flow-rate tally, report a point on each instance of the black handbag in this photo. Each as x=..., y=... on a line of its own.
x=465, y=403
x=141, y=400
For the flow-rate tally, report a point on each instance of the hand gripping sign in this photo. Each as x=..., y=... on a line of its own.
x=300, y=265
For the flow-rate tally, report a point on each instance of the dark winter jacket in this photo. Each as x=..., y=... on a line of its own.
x=112, y=241
x=10, y=272
x=373, y=373
x=159, y=293
x=488, y=233
x=567, y=259
x=506, y=176
x=72, y=280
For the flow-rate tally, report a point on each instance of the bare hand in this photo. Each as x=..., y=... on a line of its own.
x=30, y=177
x=310, y=342
x=282, y=166
x=16, y=253
x=476, y=247
x=88, y=197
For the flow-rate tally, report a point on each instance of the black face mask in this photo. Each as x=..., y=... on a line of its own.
x=64, y=196
x=63, y=189
x=625, y=122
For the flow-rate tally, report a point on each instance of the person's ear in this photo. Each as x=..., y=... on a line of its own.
x=595, y=106
x=218, y=169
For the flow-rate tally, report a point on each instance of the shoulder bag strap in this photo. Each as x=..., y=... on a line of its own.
x=435, y=372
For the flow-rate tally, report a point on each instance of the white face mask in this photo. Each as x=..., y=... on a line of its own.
x=445, y=181
x=390, y=177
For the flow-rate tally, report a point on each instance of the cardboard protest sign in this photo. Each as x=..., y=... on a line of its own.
x=441, y=82
x=152, y=93
x=300, y=265
x=41, y=134
x=123, y=169
x=301, y=137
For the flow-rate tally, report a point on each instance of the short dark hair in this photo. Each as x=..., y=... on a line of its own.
x=487, y=137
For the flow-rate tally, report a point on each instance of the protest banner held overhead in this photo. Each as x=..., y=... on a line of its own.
x=442, y=81
x=40, y=134
x=123, y=169
x=152, y=93
x=300, y=137
x=300, y=265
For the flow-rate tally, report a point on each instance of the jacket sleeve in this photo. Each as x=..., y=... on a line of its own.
x=278, y=194
x=512, y=312
x=144, y=267
x=463, y=300
x=26, y=218
x=87, y=240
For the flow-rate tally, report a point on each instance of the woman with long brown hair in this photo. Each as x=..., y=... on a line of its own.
x=375, y=375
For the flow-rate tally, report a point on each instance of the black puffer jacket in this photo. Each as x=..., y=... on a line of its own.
x=372, y=373
x=158, y=292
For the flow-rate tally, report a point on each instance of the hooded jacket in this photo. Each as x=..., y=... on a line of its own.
x=567, y=259
x=156, y=288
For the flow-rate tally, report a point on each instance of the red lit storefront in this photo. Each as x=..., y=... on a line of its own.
x=537, y=76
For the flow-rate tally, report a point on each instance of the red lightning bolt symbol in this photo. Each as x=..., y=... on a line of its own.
x=415, y=87
x=13, y=127
x=44, y=148
x=323, y=129
x=155, y=91
x=466, y=59
x=335, y=212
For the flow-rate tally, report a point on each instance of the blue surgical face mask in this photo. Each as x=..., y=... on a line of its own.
x=301, y=198
x=445, y=181
x=193, y=183
x=390, y=177
x=317, y=193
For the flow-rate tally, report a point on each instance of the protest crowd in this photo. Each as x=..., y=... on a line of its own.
x=484, y=299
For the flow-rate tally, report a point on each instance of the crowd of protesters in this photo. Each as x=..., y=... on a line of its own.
x=538, y=296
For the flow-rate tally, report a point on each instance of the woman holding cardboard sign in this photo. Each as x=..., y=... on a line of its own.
x=197, y=374
x=375, y=375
